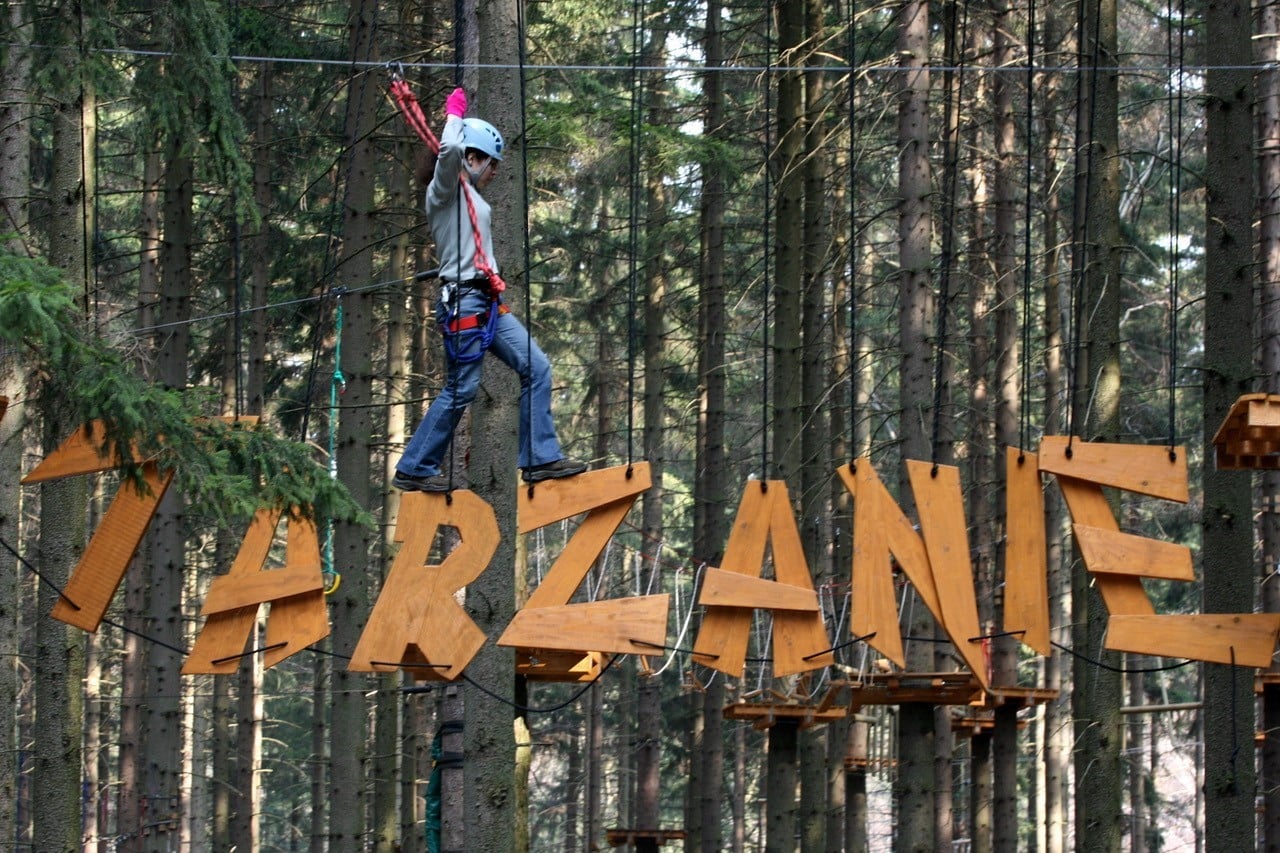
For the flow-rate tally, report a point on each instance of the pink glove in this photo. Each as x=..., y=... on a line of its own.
x=456, y=103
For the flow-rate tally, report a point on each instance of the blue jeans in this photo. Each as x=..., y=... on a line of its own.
x=516, y=349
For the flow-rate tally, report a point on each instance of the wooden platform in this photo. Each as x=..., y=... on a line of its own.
x=1249, y=437
x=933, y=688
x=639, y=838
x=762, y=715
x=979, y=721
x=1022, y=697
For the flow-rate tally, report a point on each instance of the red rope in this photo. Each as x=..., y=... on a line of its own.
x=411, y=110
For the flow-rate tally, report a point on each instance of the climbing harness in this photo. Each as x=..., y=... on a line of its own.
x=467, y=338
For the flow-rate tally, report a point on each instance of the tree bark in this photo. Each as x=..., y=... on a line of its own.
x=1227, y=543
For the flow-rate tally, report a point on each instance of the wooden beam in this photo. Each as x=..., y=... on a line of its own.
x=555, y=500
x=730, y=589
x=1026, y=572
x=1145, y=469
x=1113, y=552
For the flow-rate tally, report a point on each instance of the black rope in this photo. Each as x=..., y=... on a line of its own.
x=854, y=355
x=951, y=159
x=633, y=228
x=1024, y=410
x=1081, y=251
x=525, y=248
x=529, y=709
x=1175, y=213
x=1121, y=669
x=768, y=278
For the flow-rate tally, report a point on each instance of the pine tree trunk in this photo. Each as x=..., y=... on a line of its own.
x=1097, y=689
x=350, y=604
x=709, y=503
x=648, y=752
x=59, y=654
x=915, y=781
x=15, y=182
x=1227, y=543
x=1268, y=135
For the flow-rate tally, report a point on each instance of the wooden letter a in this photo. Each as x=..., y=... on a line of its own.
x=732, y=592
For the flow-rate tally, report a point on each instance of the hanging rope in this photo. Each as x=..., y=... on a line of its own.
x=768, y=212
x=953, y=81
x=1082, y=256
x=854, y=355
x=633, y=217
x=1175, y=213
x=1024, y=409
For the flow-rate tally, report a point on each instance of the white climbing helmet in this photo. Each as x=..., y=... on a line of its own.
x=482, y=136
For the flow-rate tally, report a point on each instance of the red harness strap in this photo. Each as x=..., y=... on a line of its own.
x=462, y=324
x=413, y=116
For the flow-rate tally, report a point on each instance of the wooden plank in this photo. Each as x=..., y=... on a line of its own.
x=416, y=615
x=722, y=638
x=1088, y=506
x=631, y=626
x=555, y=500
x=96, y=577
x=225, y=634
x=297, y=617
x=940, y=505
x=1119, y=553
x=298, y=621
x=82, y=452
x=873, y=609
x=561, y=666
x=800, y=639
x=261, y=586
x=1145, y=469
x=1026, y=574
x=730, y=589
x=1247, y=639
x=580, y=552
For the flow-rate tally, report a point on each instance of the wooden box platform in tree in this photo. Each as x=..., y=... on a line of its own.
x=1019, y=696
x=933, y=688
x=976, y=721
x=869, y=764
x=642, y=839
x=762, y=715
x=1249, y=437
x=559, y=665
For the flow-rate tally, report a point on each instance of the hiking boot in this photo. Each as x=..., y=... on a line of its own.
x=410, y=483
x=554, y=470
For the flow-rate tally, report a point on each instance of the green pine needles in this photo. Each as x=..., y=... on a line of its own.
x=226, y=471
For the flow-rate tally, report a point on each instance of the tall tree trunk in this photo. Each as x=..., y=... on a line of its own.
x=915, y=781
x=488, y=736
x=15, y=188
x=166, y=551
x=1097, y=265
x=348, y=779
x=815, y=434
x=59, y=654
x=657, y=203
x=1268, y=136
x=1227, y=543
x=1057, y=710
x=1005, y=818
x=709, y=496
x=788, y=416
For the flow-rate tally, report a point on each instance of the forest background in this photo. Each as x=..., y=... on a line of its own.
x=757, y=241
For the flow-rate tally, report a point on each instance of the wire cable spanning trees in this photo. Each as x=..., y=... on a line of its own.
x=590, y=127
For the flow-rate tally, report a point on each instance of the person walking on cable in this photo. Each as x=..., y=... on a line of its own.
x=471, y=315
